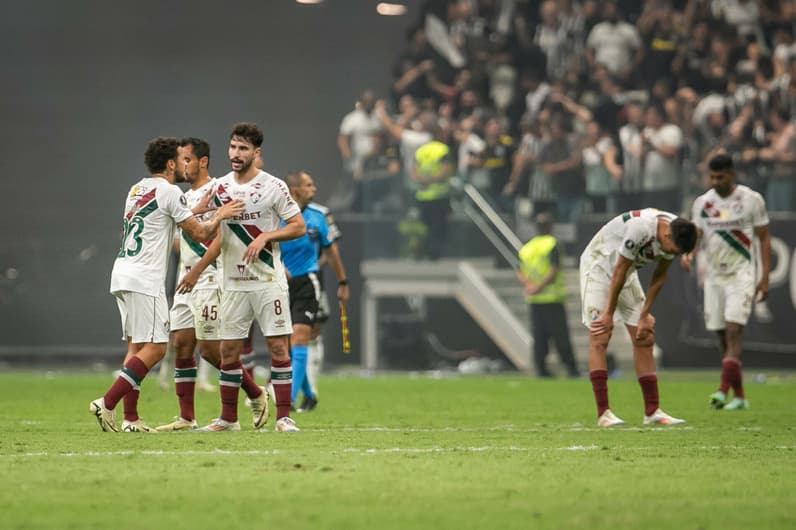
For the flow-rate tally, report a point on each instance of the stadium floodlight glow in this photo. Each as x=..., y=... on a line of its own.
x=390, y=10
x=309, y=1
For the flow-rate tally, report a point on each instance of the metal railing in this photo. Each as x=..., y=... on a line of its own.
x=490, y=223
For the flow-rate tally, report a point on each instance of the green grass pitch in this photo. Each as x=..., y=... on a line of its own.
x=400, y=452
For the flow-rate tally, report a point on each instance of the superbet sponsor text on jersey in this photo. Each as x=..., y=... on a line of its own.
x=191, y=252
x=267, y=202
x=152, y=209
x=727, y=225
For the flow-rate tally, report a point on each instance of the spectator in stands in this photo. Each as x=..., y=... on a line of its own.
x=355, y=142
x=781, y=154
x=691, y=62
x=410, y=138
x=495, y=160
x=381, y=183
x=632, y=146
x=531, y=95
x=661, y=41
x=560, y=162
x=412, y=80
x=662, y=174
x=553, y=39
x=470, y=145
x=601, y=171
x=744, y=15
x=525, y=158
x=615, y=43
x=408, y=72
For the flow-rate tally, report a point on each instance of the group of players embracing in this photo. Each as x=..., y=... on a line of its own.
x=232, y=272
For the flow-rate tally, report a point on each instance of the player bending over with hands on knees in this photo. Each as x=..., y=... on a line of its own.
x=609, y=283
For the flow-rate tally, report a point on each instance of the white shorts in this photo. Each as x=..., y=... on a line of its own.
x=201, y=310
x=144, y=318
x=728, y=298
x=181, y=313
x=269, y=306
x=594, y=286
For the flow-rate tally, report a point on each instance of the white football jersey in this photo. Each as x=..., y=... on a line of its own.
x=268, y=202
x=633, y=235
x=152, y=209
x=191, y=252
x=728, y=225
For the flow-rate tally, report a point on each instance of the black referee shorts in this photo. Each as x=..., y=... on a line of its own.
x=304, y=292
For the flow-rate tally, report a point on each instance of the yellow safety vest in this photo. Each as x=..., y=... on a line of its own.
x=535, y=265
x=429, y=162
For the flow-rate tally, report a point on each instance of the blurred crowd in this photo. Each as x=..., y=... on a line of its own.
x=588, y=106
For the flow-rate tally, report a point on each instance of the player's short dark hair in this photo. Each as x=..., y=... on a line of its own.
x=249, y=132
x=200, y=147
x=721, y=162
x=159, y=151
x=684, y=234
x=293, y=178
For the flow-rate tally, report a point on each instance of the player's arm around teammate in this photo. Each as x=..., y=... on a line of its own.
x=153, y=206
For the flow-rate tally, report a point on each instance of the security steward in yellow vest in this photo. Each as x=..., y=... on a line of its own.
x=431, y=173
x=540, y=273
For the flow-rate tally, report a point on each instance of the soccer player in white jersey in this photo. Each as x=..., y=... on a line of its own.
x=609, y=284
x=153, y=206
x=728, y=217
x=195, y=312
x=254, y=286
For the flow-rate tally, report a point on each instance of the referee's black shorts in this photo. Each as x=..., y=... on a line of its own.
x=304, y=292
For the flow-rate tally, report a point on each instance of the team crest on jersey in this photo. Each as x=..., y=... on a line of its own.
x=737, y=207
x=138, y=191
x=223, y=195
x=255, y=196
x=594, y=314
x=241, y=268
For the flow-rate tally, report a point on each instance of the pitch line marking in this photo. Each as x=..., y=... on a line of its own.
x=356, y=451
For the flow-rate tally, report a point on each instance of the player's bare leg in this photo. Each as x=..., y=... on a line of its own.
x=139, y=360
x=598, y=373
x=730, y=341
x=282, y=379
x=646, y=371
x=183, y=344
x=247, y=354
x=210, y=351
